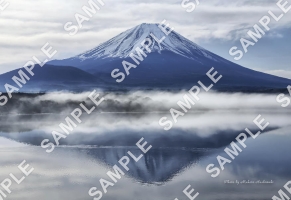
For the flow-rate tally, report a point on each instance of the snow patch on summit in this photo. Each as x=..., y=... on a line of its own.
x=122, y=45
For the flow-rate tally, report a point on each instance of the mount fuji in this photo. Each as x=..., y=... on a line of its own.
x=174, y=64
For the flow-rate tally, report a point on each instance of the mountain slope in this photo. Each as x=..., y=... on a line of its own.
x=123, y=44
x=175, y=63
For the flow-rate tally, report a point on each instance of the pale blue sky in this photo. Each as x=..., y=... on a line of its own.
x=270, y=54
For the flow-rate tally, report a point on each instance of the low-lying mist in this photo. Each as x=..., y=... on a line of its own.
x=123, y=118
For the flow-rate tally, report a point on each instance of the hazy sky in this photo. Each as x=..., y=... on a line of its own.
x=25, y=26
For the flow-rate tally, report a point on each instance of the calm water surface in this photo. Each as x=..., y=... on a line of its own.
x=163, y=173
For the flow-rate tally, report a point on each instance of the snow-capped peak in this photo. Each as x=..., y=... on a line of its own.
x=125, y=43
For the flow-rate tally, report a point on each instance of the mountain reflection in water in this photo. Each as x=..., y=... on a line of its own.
x=69, y=172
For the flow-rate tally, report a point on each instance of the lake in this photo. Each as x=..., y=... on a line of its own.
x=178, y=157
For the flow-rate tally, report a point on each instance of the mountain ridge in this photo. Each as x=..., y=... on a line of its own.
x=50, y=77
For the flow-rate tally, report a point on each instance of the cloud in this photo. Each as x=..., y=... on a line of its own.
x=123, y=118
